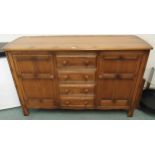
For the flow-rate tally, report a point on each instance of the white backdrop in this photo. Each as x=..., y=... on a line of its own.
x=8, y=94
x=80, y=17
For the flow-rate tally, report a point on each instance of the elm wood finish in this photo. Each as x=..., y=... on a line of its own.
x=78, y=72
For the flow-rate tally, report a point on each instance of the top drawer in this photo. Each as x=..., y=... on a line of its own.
x=76, y=60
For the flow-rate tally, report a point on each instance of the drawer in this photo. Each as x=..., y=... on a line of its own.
x=68, y=89
x=70, y=76
x=76, y=60
x=117, y=102
x=77, y=101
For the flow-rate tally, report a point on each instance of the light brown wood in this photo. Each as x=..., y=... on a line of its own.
x=50, y=74
x=103, y=42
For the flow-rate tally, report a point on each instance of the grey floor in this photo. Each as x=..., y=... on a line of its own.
x=16, y=114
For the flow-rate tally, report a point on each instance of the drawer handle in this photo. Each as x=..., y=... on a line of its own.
x=67, y=102
x=65, y=62
x=35, y=75
x=66, y=77
x=100, y=76
x=86, y=102
x=52, y=76
x=86, y=77
x=87, y=62
x=67, y=91
x=86, y=90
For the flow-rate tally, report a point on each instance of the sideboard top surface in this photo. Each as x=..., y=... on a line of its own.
x=98, y=42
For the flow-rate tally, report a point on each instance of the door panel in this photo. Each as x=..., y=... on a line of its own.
x=109, y=65
x=116, y=76
x=38, y=88
x=37, y=79
x=128, y=66
x=33, y=64
x=123, y=89
x=105, y=90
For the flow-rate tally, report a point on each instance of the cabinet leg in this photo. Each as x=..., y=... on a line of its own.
x=25, y=111
x=130, y=112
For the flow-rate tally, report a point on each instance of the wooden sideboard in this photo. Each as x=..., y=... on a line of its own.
x=78, y=72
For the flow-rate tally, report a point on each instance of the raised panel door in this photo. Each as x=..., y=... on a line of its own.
x=116, y=77
x=38, y=80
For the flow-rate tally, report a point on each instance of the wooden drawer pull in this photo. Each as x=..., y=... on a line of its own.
x=65, y=62
x=86, y=90
x=51, y=76
x=66, y=77
x=86, y=77
x=66, y=91
x=67, y=102
x=100, y=76
x=87, y=62
x=86, y=102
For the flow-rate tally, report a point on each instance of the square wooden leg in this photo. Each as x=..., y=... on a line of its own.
x=130, y=112
x=25, y=111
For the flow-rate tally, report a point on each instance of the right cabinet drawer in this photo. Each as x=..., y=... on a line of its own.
x=116, y=76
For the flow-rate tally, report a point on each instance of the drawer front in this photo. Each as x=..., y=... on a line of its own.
x=86, y=76
x=72, y=89
x=77, y=102
x=76, y=61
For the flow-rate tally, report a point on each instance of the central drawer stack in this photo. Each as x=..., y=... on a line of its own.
x=76, y=73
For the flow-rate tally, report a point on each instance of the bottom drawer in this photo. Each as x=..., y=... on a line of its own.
x=77, y=102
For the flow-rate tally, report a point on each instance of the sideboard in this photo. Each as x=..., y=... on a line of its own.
x=78, y=72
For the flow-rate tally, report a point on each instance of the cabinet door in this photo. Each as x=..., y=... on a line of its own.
x=116, y=77
x=38, y=79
